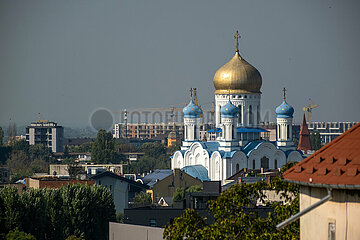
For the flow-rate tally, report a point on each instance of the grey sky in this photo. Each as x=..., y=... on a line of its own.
x=67, y=58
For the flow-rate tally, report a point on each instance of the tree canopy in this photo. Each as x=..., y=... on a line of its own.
x=103, y=149
x=80, y=210
x=237, y=216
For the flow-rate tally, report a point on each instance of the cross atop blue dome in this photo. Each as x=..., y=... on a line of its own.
x=229, y=110
x=284, y=110
x=192, y=110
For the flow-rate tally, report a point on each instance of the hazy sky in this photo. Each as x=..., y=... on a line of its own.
x=67, y=58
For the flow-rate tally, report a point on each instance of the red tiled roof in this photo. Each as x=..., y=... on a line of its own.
x=337, y=163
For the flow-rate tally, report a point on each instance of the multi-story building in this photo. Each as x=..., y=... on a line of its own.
x=47, y=133
x=145, y=130
x=330, y=130
x=152, y=130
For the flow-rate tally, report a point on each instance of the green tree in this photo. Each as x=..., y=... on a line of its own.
x=1, y=136
x=315, y=140
x=103, y=149
x=180, y=192
x=17, y=235
x=74, y=238
x=80, y=210
x=142, y=199
x=153, y=149
x=236, y=215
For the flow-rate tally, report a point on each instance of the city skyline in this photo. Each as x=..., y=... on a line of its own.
x=66, y=59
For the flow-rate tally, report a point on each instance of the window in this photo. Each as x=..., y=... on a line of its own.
x=275, y=164
x=265, y=162
x=237, y=167
x=331, y=231
x=278, y=128
x=250, y=115
x=288, y=131
x=253, y=164
x=152, y=222
x=233, y=132
x=239, y=115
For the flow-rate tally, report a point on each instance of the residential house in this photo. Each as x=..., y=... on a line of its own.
x=329, y=189
x=122, y=189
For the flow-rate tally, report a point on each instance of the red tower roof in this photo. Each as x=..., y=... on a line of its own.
x=304, y=141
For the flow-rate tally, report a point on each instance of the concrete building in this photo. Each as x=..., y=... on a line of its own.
x=47, y=133
x=153, y=130
x=145, y=130
x=122, y=189
x=329, y=189
x=121, y=231
x=53, y=182
x=89, y=169
x=330, y=130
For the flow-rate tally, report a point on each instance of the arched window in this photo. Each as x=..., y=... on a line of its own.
x=253, y=164
x=279, y=132
x=185, y=132
x=237, y=167
x=239, y=114
x=275, y=163
x=264, y=163
x=251, y=120
x=195, y=131
x=288, y=131
x=233, y=132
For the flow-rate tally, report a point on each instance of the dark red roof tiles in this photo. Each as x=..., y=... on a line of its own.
x=304, y=140
x=337, y=163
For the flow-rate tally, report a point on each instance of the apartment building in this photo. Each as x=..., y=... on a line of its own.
x=47, y=133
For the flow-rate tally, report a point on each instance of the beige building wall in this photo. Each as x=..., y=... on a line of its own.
x=120, y=231
x=342, y=211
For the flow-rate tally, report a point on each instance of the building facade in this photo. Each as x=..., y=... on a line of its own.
x=330, y=130
x=329, y=183
x=46, y=133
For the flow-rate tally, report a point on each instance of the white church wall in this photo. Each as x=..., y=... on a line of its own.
x=177, y=161
x=240, y=159
x=294, y=156
x=280, y=158
x=215, y=166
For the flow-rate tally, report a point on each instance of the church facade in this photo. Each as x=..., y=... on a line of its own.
x=238, y=143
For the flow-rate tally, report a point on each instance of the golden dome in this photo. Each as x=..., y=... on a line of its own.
x=238, y=76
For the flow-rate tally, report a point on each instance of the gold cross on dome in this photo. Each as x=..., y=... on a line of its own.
x=237, y=36
x=284, y=90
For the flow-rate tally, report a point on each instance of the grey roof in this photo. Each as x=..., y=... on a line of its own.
x=156, y=176
x=113, y=175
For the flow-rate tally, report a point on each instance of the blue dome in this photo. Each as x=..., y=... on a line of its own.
x=228, y=110
x=197, y=171
x=284, y=110
x=192, y=111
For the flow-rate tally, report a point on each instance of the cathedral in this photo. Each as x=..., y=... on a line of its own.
x=238, y=142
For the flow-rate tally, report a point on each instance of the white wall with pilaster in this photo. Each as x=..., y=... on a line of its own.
x=243, y=102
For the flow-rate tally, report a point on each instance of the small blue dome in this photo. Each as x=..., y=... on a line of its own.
x=284, y=110
x=228, y=110
x=192, y=110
